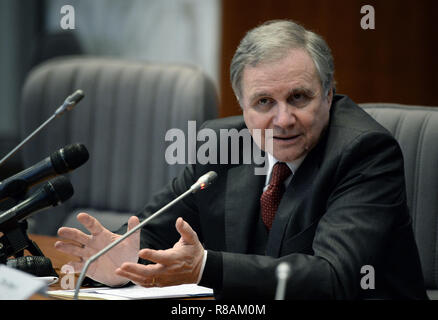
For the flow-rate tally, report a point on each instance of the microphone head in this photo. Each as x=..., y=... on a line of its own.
x=39, y=266
x=59, y=190
x=69, y=158
x=70, y=102
x=207, y=179
x=75, y=97
x=283, y=270
x=204, y=181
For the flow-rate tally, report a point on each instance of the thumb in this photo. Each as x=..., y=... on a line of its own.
x=188, y=235
x=132, y=223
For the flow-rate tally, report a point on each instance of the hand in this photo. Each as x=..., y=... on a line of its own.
x=178, y=265
x=103, y=269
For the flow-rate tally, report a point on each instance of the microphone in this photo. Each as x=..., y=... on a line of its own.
x=68, y=104
x=39, y=266
x=283, y=273
x=61, y=161
x=203, y=182
x=51, y=193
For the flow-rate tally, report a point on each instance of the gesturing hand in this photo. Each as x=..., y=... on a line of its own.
x=103, y=269
x=178, y=265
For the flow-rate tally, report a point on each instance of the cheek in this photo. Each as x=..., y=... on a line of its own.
x=315, y=122
x=256, y=125
x=254, y=120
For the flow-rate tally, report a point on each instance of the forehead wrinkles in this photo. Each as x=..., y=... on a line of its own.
x=293, y=71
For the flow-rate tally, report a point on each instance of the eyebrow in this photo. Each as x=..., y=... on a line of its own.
x=258, y=95
x=308, y=92
x=300, y=89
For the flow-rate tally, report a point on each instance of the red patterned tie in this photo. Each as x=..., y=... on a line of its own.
x=270, y=199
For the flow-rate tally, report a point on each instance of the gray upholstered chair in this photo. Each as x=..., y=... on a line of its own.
x=416, y=129
x=122, y=121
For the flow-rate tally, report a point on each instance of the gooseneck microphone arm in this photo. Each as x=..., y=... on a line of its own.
x=201, y=184
x=68, y=104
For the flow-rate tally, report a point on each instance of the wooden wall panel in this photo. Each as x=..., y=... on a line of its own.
x=395, y=62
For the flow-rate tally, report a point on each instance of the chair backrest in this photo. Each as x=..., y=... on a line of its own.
x=122, y=121
x=416, y=130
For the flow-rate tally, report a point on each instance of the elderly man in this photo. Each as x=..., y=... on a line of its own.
x=331, y=205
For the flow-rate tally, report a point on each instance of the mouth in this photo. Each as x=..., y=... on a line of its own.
x=287, y=138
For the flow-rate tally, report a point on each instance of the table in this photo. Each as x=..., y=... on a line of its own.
x=58, y=258
x=47, y=246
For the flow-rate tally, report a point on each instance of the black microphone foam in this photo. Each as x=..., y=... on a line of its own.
x=59, y=189
x=39, y=266
x=69, y=158
x=52, y=193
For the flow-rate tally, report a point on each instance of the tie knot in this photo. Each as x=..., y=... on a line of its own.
x=280, y=173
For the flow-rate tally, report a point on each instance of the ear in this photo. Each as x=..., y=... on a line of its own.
x=330, y=97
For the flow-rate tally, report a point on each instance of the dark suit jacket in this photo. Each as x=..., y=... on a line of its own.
x=344, y=209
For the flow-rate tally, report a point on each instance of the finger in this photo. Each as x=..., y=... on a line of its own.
x=71, y=249
x=165, y=257
x=91, y=223
x=141, y=269
x=73, y=234
x=187, y=233
x=138, y=273
x=137, y=279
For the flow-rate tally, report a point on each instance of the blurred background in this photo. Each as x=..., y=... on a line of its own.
x=395, y=62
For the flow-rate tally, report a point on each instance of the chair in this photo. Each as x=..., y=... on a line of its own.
x=416, y=130
x=122, y=121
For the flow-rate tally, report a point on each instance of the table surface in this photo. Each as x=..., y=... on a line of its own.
x=58, y=258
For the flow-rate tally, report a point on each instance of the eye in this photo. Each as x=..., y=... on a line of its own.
x=263, y=104
x=298, y=96
x=263, y=101
x=298, y=99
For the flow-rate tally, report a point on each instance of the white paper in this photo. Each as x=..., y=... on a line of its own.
x=19, y=285
x=136, y=292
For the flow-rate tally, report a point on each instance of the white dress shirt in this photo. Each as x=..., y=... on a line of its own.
x=293, y=166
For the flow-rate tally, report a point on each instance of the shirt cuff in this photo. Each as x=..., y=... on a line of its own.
x=212, y=275
x=204, y=260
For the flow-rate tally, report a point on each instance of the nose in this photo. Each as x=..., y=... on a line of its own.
x=284, y=117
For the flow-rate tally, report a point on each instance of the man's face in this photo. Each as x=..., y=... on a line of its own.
x=286, y=96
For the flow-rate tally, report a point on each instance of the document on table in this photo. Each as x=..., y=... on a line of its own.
x=135, y=292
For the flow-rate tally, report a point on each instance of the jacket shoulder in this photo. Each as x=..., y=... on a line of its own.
x=234, y=122
x=349, y=123
x=347, y=116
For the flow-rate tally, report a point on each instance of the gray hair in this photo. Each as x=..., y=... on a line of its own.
x=271, y=41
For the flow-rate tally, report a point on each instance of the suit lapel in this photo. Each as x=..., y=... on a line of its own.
x=242, y=206
x=290, y=207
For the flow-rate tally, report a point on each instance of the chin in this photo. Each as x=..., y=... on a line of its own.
x=283, y=157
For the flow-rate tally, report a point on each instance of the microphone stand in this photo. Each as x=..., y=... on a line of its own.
x=15, y=240
x=68, y=104
x=199, y=185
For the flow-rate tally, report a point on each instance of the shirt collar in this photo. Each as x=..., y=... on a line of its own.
x=293, y=166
